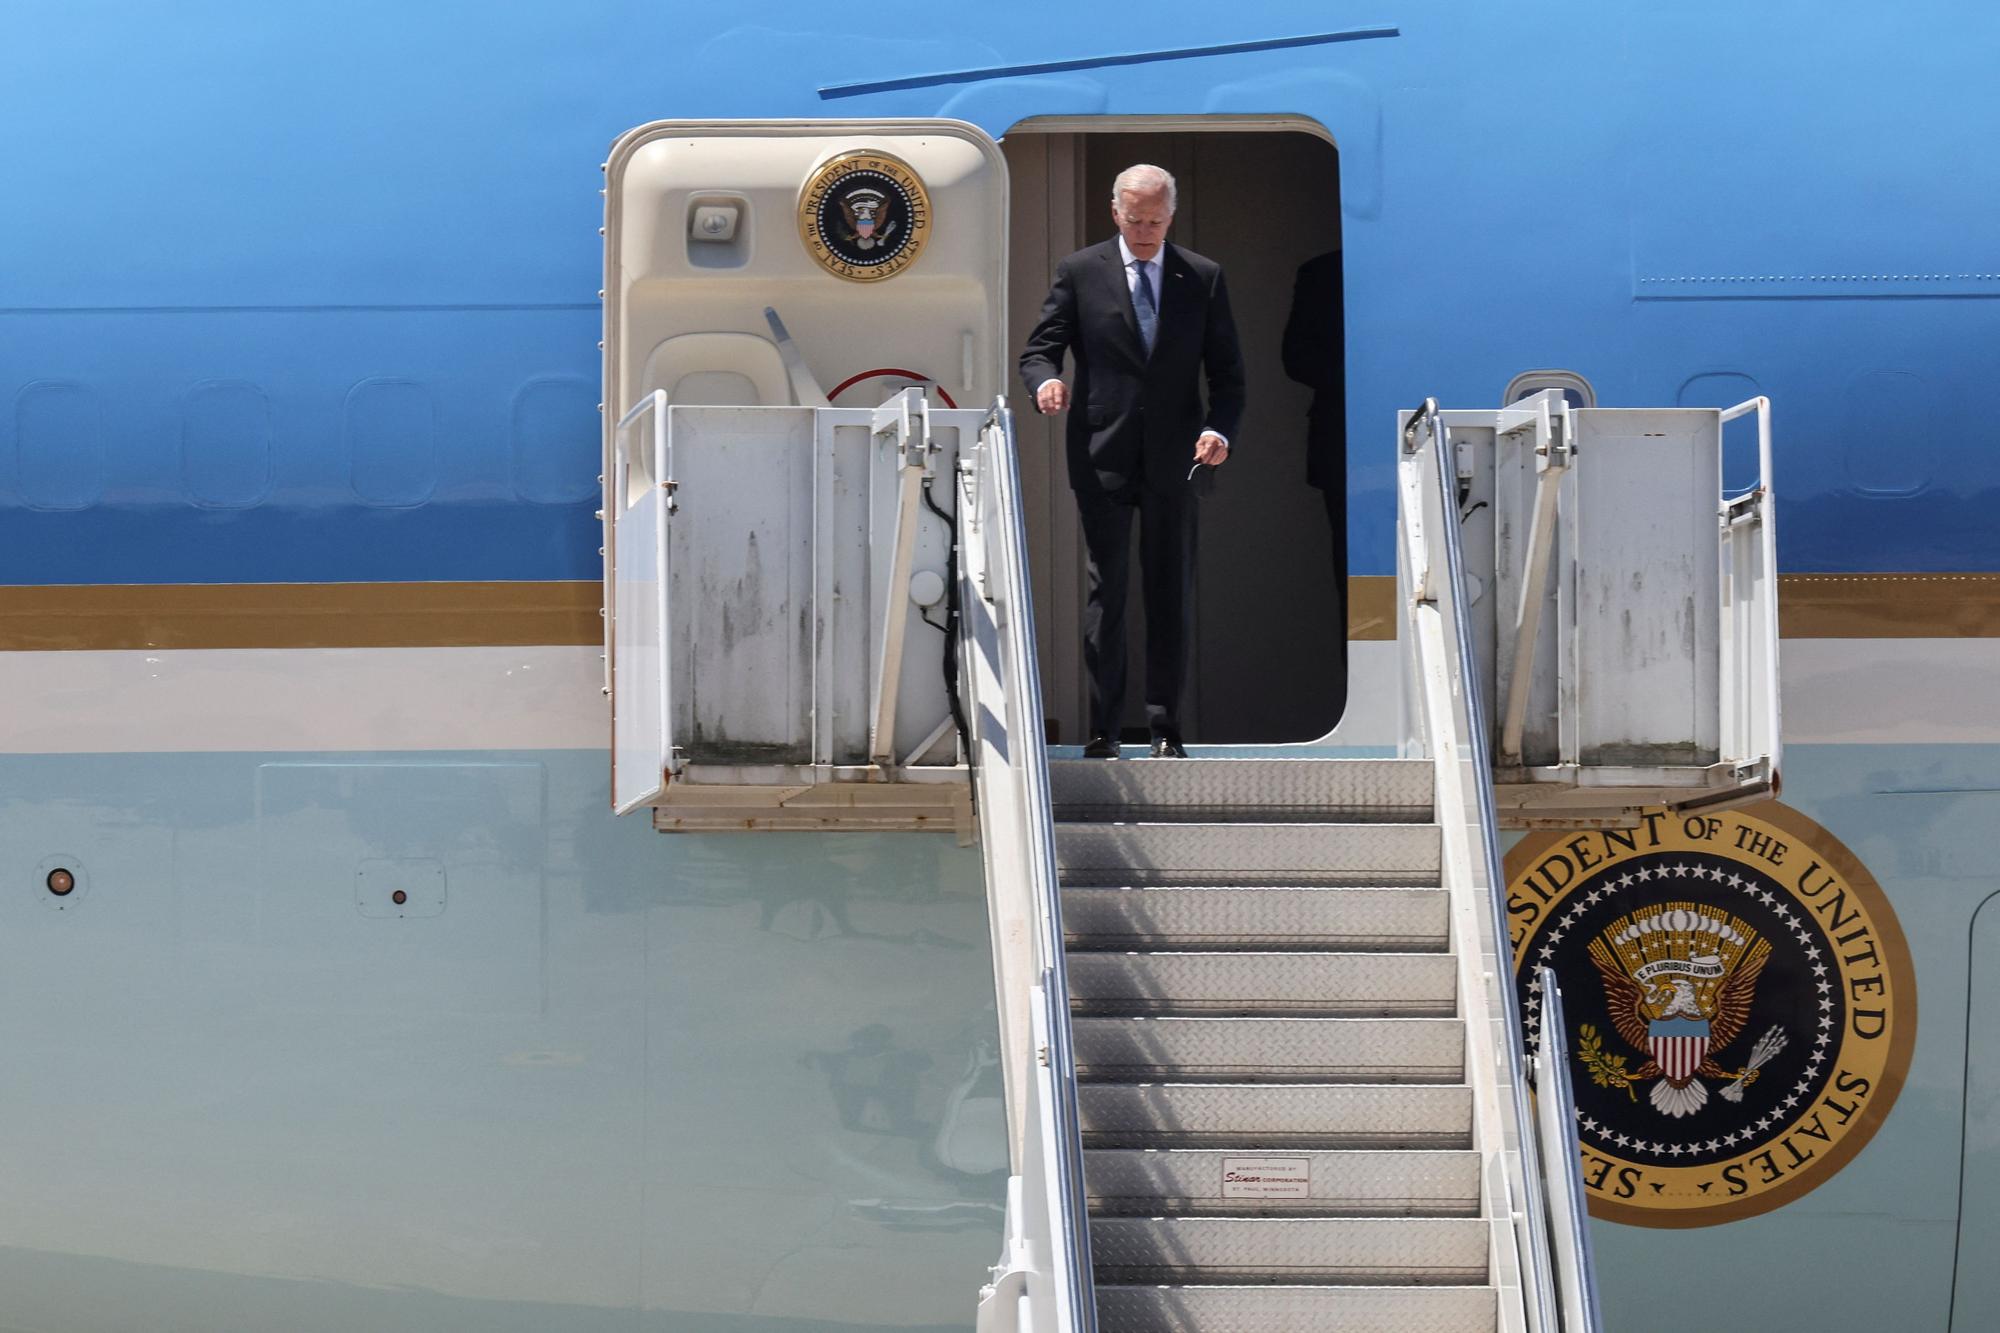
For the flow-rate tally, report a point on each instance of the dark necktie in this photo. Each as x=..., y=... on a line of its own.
x=1143, y=307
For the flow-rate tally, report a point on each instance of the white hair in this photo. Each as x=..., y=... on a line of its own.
x=1144, y=178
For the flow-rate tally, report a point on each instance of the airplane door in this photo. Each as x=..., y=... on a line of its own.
x=767, y=284
x=1975, y=1302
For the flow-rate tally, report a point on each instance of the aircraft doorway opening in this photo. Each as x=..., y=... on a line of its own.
x=1267, y=661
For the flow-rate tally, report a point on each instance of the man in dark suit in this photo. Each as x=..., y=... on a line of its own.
x=1315, y=354
x=1143, y=321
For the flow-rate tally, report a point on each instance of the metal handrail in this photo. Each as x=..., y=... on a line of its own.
x=663, y=445
x=1553, y=1088
x=1023, y=707
x=1761, y=405
x=1480, y=762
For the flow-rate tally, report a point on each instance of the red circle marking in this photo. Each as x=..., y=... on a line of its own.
x=853, y=380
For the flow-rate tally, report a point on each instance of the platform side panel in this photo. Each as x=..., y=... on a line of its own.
x=1647, y=588
x=740, y=546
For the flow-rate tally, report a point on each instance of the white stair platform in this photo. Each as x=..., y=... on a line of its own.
x=1297, y=1050
x=1154, y=1182
x=1409, y=985
x=1346, y=1250
x=1266, y=790
x=1285, y=1309
x=1395, y=920
x=1225, y=854
x=1270, y=1115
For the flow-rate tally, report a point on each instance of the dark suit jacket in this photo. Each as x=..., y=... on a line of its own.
x=1316, y=356
x=1133, y=419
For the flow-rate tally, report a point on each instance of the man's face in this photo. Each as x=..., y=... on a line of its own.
x=1143, y=218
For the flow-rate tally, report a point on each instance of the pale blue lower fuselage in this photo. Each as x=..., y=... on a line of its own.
x=593, y=1076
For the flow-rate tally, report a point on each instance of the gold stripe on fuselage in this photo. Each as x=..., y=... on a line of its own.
x=1810, y=606
x=299, y=615
x=1889, y=606
x=456, y=615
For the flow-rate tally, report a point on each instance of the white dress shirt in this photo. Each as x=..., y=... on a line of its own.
x=1132, y=273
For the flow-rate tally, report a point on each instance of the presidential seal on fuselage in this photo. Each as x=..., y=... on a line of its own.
x=864, y=215
x=1740, y=1005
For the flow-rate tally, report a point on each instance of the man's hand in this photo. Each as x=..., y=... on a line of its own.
x=1052, y=397
x=1211, y=449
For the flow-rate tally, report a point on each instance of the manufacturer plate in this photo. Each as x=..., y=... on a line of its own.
x=1266, y=1178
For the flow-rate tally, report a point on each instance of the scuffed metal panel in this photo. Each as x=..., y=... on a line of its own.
x=1647, y=586
x=740, y=547
x=779, y=588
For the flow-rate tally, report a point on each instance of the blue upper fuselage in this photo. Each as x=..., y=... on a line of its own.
x=308, y=295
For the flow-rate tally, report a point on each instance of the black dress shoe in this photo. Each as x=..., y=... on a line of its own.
x=1101, y=746
x=1168, y=747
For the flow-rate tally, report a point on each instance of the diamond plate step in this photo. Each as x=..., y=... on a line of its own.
x=1396, y=985
x=1399, y=1250
x=1196, y=1309
x=1247, y=854
x=1298, y=1050
x=1263, y=1116
x=1204, y=917
x=1146, y=1182
x=1270, y=790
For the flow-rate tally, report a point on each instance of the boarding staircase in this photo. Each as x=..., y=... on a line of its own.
x=1277, y=1123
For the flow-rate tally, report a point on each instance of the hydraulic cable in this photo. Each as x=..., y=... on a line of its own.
x=950, y=626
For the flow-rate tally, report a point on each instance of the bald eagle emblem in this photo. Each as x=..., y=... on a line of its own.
x=1679, y=982
x=865, y=212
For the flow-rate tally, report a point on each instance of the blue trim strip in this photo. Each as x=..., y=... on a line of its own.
x=834, y=90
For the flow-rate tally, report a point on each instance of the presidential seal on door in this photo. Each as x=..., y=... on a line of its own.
x=864, y=215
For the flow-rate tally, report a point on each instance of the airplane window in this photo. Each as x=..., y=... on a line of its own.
x=1575, y=388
